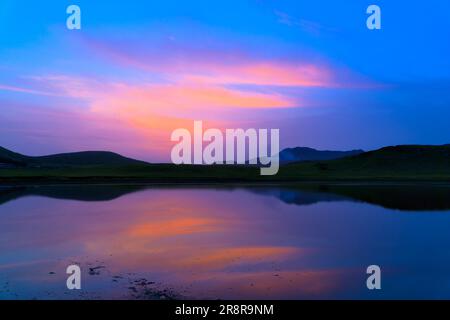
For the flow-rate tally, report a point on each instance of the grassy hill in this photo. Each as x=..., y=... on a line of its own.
x=12, y=158
x=408, y=162
x=397, y=162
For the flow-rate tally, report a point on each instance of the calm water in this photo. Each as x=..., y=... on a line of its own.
x=138, y=242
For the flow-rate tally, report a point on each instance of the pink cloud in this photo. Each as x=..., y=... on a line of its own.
x=177, y=62
x=267, y=74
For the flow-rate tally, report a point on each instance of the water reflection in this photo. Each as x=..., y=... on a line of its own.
x=234, y=242
x=401, y=196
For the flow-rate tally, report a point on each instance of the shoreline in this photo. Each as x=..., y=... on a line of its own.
x=213, y=182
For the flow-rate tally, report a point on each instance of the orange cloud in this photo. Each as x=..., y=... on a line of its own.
x=155, y=110
x=175, y=98
x=267, y=74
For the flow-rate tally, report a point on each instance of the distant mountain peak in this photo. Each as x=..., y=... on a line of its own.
x=310, y=154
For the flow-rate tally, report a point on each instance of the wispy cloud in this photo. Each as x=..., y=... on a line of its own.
x=25, y=90
x=308, y=26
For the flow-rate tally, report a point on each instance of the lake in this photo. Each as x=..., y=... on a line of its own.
x=229, y=242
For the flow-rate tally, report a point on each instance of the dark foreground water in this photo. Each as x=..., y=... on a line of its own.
x=140, y=242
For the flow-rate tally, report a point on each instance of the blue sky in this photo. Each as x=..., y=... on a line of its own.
x=310, y=68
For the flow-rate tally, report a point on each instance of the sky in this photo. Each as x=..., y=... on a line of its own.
x=138, y=70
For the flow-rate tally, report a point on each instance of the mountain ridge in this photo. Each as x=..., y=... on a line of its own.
x=392, y=163
x=296, y=154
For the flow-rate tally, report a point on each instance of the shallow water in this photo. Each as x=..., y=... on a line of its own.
x=140, y=242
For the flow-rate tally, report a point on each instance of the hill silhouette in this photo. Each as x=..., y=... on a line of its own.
x=84, y=158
